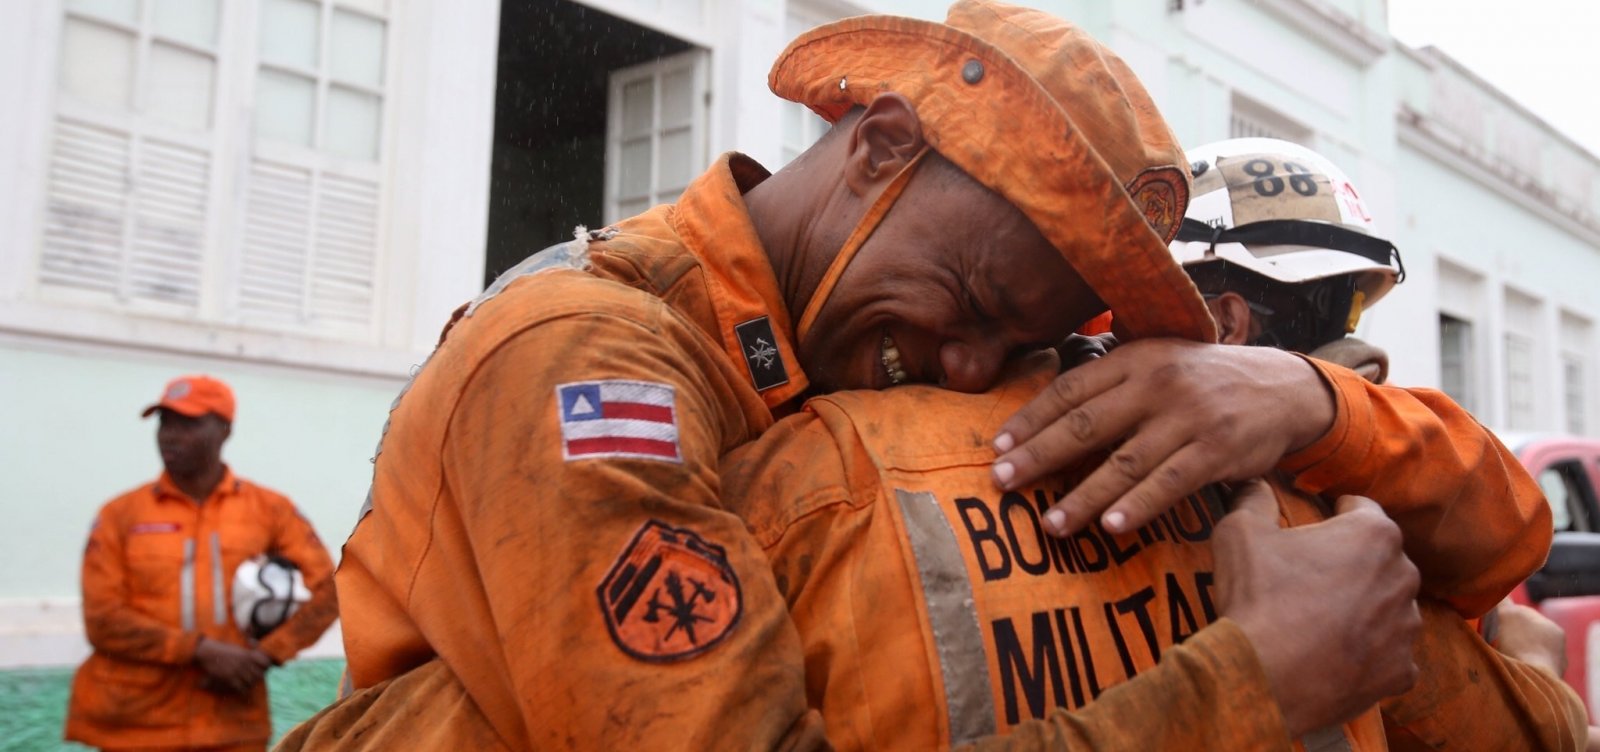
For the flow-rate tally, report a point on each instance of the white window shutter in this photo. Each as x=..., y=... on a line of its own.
x=277, y=231
x=309, y=251
x=171, y=191
x=86, y=208
x=343, y=265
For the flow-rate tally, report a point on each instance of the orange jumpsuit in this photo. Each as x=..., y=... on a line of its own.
x=935, y=611
x=157, y=576
x=546, y=562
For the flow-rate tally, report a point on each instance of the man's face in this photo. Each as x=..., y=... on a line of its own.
x=188, y=445
x=953, y=282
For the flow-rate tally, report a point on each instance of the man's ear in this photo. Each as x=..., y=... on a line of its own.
x=886, y=137
x=1233, y=318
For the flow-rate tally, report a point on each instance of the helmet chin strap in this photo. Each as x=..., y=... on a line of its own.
x=858, y=237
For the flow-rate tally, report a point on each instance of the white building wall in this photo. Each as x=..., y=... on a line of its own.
x=76, y=372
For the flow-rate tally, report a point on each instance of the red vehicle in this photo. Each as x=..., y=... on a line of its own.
x=1567, y=590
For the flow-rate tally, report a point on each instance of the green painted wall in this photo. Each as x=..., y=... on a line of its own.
x=73, y=439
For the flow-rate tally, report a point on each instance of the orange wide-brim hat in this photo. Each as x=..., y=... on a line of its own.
x=1036, y=110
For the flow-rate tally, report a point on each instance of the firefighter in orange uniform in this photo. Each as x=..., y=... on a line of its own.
x=545, y=559
x=171, y=669
x=916, y=585
x=900, y=559
x=1286, y=253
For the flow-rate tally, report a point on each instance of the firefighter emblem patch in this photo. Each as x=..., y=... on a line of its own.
x=670, y=595
x=1162, y=195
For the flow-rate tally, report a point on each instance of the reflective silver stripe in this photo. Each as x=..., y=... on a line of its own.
x=219, y=607
x=1326, y=739
x=957, y=636
x=186, y=587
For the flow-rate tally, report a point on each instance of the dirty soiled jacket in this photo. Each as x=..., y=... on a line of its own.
x=935, y=611
x=157, y=576
x=546, y=563
x=1535, y=709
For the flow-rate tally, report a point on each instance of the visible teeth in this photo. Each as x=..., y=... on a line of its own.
x=890, y=355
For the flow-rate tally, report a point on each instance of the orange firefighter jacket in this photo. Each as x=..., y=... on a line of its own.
x=158, y=576
x=546, y=562
x=935, y=611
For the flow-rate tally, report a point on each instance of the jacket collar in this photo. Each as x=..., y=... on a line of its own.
x=752, y=320
x=165, y=488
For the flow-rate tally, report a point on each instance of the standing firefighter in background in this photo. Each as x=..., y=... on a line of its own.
x=546, y=560
x=171, y=667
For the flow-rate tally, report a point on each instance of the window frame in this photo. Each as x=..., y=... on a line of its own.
x=698, y=61
x=1469, y=396
x=230, y=145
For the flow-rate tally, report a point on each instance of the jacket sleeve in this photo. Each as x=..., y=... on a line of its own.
x=630, y=610
x=1207, y=694
x=1475, y=523
x=294, y=539
x=110, y=621
x=1470, y=696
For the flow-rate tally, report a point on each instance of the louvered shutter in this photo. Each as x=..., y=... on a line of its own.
x=343, y=267
x=126, y=217
x=276, y=232
x=309, y=252
x=86, y=208
x=171, y=192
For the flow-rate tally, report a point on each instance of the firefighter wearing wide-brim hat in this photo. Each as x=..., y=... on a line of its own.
x=545, y=559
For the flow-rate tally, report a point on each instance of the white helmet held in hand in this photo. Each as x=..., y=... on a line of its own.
x=1287, y=214
x=266, y=591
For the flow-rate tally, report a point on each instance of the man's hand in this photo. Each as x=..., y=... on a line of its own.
x=230, y=668
x=1526, y=635
x=1180, y=415
x=1330, y=608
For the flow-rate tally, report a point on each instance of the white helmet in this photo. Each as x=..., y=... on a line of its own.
x=1286, y=213
x=267, y=589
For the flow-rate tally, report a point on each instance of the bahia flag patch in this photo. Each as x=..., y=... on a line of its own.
x=616, y=418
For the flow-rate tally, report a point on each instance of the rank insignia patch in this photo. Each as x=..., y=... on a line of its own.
x=616, y=418
x=761, y=354
x=670, y=595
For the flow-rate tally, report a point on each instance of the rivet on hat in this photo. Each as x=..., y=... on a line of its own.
x=841, y=84
x=972, y=72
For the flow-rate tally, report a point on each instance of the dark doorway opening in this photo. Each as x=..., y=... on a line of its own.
x=548, y=168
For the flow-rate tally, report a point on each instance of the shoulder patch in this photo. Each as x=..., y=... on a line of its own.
x=670, y=595
x=618, y=418
x=1162, y=195
x=761, y=355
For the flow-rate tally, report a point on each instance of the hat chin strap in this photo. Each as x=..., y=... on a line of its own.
x=858, y=237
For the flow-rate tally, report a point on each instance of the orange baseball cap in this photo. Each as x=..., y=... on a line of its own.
x=195, y=396
x=1036, y=110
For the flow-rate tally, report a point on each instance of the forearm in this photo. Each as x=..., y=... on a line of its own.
x=1209, y=693
x=306, y=626
x=1470, y=696
x=110, y=622
x=1474, y=522
x=298, y=542
x=120, y=631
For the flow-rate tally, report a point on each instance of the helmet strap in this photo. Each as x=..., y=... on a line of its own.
x=858, y=237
